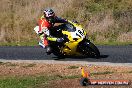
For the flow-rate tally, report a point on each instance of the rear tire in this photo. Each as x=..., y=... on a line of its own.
x=56, y=51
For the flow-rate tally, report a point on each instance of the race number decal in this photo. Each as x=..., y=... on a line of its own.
x=80, y=33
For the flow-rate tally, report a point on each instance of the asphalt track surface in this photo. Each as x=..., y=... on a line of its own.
x=110, y=55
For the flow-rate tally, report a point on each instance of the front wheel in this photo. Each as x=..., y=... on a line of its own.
x=88, y=48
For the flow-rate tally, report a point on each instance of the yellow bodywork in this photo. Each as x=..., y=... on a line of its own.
x=71, y=46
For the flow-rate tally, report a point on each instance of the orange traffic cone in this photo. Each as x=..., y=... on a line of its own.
x=85, y=74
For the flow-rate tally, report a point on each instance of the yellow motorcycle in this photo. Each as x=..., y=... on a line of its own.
x=75, y=41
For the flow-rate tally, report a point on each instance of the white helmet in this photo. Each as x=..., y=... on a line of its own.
x=49, y=13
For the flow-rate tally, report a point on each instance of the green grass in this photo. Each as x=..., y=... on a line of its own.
x=102, y=73
x=1, y=63
x=113, y=43
x=10, y=64
x=37, y=81
x=26, y=43
x=72, y=77
x=73, y=67
x=29, y=65
x=23, y=82
x=129, y=71
x=34, y=43
x=30, y=81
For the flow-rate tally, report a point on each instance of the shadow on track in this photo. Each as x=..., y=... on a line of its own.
x=79, y=57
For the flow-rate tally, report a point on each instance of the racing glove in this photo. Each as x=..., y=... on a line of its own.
x=60, y=39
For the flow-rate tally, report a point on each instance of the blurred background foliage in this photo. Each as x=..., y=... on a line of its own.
x=104, y=20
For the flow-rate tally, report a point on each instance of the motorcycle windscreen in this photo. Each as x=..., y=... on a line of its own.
x=76, y=32
x=70, y=28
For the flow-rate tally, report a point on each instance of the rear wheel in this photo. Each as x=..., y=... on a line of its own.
x=57, y=51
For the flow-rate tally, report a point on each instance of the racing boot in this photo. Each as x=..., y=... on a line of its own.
x=48, y=50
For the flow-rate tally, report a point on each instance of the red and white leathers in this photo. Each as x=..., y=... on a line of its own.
x=44, y=28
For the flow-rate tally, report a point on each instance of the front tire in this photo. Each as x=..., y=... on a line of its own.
x=93, y=49
x=87, y=48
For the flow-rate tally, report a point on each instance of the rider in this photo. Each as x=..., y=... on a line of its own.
x=46, y=22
